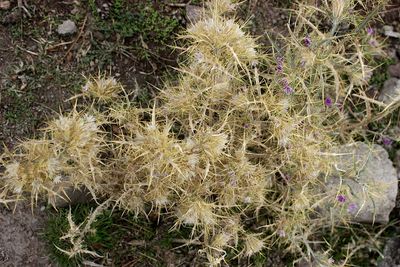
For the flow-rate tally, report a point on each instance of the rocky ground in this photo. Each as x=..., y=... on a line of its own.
x=47, y=46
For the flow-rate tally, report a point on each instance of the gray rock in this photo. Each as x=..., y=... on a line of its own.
x=391, y=254
x=390, y=91
x=5, y=5
x=72, y=196
x=67, y=27
x=388, y=31
x=367, y=181
x=394, y=70
x=193, y=13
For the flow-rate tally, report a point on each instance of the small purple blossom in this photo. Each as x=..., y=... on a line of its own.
x=286, y=87
x=352, y=208
x=328, y=102
x=246, y=125
x=341, y=198
x=307, y=41
x=279, y=64
x=373, y=43
x=386, y=141
x=370, y=31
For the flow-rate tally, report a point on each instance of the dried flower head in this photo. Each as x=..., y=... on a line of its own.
x=101, y=88
x=252, y=244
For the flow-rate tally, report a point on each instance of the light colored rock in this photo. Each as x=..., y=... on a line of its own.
x=5, y=5
x=193, y=13
x=390, y=91
x=368, y=182
x=388, y=30
x=67, y=27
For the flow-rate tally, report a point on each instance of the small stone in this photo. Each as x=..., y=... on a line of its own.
x=389, y=31
x=5, y=5
x=67, y=27
x=394, y=70
x=387, y=28
x=98, y=36
x=193, y=13
x=390, y=91
x=75, y=11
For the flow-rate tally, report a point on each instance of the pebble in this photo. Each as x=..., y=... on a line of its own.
x=4, y=5
x=394, y=70
x=388, y=30
x=98, y=36
x=67, y=27
x=193, y=13
x=390, y=91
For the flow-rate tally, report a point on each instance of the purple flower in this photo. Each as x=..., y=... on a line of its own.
x=341, y=198
x=279, y=64
x=307, y=41
x=373, y=42
x=386, y=141
x=370, y=31
x=286, y=87
x=328, y=102
x=352, y=208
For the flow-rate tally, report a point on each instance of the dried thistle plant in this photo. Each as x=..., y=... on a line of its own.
x=240, y=136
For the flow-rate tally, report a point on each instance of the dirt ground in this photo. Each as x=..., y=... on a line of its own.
x=20, y=243
x=39, y=70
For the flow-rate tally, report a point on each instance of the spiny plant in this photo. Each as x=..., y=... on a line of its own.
x=66, y=155
x=238, y=148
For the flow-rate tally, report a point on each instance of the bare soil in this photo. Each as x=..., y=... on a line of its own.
x=20, y=244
